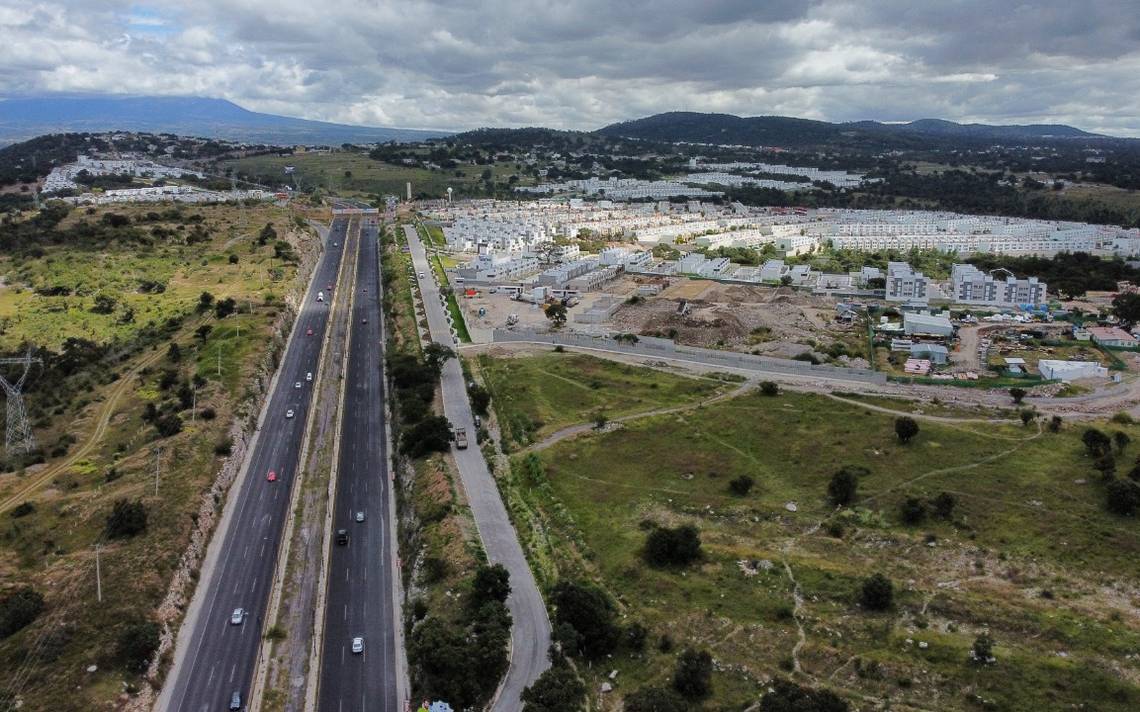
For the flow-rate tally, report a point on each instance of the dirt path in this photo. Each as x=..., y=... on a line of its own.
x=576, y=430
x=103, y=420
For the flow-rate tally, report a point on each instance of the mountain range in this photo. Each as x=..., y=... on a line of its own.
x=27, y=117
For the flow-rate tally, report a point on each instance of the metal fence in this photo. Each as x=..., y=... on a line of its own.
x=666, y=348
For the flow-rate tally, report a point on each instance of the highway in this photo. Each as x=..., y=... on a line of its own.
x=360, y=600
x=530, y=629
x=213, y=657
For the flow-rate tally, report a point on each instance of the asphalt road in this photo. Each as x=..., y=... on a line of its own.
x=360, y=574
x=219, y=657
x=530, y=629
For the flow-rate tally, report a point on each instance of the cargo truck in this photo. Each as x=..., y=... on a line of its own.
x=461, y=438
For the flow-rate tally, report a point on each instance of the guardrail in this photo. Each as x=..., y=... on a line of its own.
x=666, y=348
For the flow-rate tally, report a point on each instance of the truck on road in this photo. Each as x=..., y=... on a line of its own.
x=461, y=438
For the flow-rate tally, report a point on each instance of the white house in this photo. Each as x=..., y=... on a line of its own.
x=1070, y=370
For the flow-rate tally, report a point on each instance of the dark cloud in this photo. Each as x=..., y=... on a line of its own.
x=584, y=63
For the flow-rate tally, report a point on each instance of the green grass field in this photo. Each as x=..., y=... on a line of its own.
x=537, y=396
x=1029, y=554
x=349, y=173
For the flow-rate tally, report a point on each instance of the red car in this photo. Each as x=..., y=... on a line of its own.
x=272, y=476
x=328, y=288
x=308, y=332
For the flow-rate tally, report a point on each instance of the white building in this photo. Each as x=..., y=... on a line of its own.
x=906, y=285
x=970, y=285
x=1070, y=370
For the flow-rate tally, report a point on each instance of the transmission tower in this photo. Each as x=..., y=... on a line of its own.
x=18, y=437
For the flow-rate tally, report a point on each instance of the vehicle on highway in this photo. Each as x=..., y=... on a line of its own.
x=421, y=275
x=289, y=413
x=336, y=244
x=309, y=376
x=235, y=700
x=308, y=332
x=328, y=287
x=358, y=645
x=478, y=421
x=364, y=320
x=320, y=296
x=238, y=617
x=359, y=516
x=461, y=438
x=342, y=537
x=272, y=476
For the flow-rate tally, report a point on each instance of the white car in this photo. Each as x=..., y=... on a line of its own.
x=309, y=376
x=358, y=645
x=237, y=617
x=289, y=413
x=359, y=516
x=297, y=384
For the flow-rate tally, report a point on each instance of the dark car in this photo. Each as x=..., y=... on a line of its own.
x=342, y=537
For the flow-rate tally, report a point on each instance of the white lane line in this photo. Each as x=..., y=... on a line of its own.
x=346, y=575
x=233, y=670
x=345, y=612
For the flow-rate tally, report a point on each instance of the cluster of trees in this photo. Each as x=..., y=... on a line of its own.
x=676, y=546
x=413, y=383
x=462, y=661
x=18, y=609
x=1122, y=494
x=127, y=519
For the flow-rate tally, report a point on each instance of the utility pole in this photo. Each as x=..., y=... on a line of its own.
x=98, y=576
x=219, y=360
x=194, y=405
x=157, y=467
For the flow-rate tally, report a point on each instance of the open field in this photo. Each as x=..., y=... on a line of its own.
x=1028, y=555
x=537, y=396
x=351, y=173
x=49, y=543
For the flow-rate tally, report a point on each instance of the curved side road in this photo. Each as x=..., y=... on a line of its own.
x=530, y=627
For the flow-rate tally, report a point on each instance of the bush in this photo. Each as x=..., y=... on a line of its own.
x=590, y=613
x=913, y=510
x=1096, y=442
x=1017, y=394
x=224, y=447
x=844, y=485
x=168, y=425
x=480, y=399
x=769, y=388
x=1123, y=497
x=18, y=609
x=432, y=434
x=673, y=547
x=982, y=652
x=905, y=428
x=136, y=644
x=559, y=689
x=126, y=519
x=877, y=593
x=207, y=414
x=741, y=486
x=944, y=505
x=22, y=509
x=693, y=675
x=635, y=636
x=490, y=584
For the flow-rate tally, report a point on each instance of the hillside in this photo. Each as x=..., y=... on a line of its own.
x=786, y=131
x=25, y=118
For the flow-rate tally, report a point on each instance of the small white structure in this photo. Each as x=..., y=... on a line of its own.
x=927, y=324
x=1070, y=370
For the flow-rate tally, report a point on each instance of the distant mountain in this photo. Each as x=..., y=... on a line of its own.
x=784, y=131
x=25, y=118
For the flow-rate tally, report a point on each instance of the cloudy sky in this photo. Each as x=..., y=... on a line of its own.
x=456, y=64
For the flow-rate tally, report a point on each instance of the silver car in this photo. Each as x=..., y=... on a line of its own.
x=359, y=516
x=358, y=645
x=237, y=617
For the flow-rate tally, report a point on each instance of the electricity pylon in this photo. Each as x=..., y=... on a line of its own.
x=18, y=437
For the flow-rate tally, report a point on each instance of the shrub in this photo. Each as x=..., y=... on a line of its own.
x=1055, y=424
x=480, y=399
x=944, y=505
x=22, y=509
x=786, y=696
x=224, y=447
x=693, y=675
x=1123, y=497
x=1017, y=394
x=982, y=652
x=905, y=428
x=913, y=510
x=1096, y=442
x=18, y=609
x=655, y=699
x=769, y=388
x=136, y=644
x=559, y=689
x=673, y=547
x=844, y=485
x=741, y=486
x=877, y=593
x=590, y=613
x=126, y=519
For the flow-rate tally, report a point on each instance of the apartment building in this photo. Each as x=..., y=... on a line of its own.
x=970, y=285
x=904, y=284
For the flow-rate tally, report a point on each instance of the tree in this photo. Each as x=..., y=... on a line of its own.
x=769, y=388
x=1126, y=307
x=1096, y=442
x=234, y=259
x=1027, y=416
x=205, y=301
x=1121, y=440
x=559, y=689
x=1017, y=394
x=786, y=696
x=913, y=510
x=1055, y=424
x=877, y=593
x=944, y=505
x=693, y=675
x=104, y=304
x=480, y=398
x=136, y=644
x=435, y=355
x=267, y=235
x=655, y=699
x=905, y=428
x=844, y=485
x=18, y=608
x=600, y=421
x=556, y=313
x=491, y=583
x=432, y=434
x=982, y=652
x=679, y=546
x=203, y=332
x=590, y=613
x=168, y=425
x=126, y=519
x=174, y=352
x=741, y=486
x=1122, y=497
x=225, y=307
